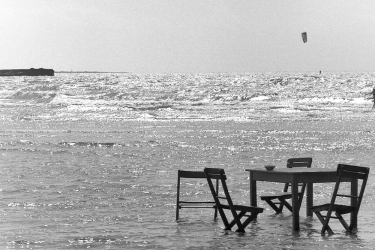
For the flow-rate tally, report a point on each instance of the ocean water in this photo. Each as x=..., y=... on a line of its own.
x=90, y=160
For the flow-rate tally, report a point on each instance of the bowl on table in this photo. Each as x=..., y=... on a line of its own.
x=269, y=167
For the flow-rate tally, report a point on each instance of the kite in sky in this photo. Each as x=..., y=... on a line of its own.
x=304, y=37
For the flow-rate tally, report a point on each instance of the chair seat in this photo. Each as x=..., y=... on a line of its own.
x=243, y=208
x=341, y=209
x=285, y=195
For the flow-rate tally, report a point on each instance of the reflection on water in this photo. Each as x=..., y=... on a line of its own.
x=62, y=191
x=91, y=160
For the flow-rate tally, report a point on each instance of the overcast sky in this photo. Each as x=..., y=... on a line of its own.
x=188, y=35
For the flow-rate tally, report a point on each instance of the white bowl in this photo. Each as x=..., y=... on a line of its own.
x=269, y=167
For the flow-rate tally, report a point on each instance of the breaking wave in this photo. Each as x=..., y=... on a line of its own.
x=184, y=96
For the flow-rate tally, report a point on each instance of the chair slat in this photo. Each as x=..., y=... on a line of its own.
x=353, y=175
x=194, y=202
x=332, y=217
x=298, y=164
x=197, y=207
x=356, y=169
x=348, y=196
x=300, y=159
x=192, y=174
x=221, y=197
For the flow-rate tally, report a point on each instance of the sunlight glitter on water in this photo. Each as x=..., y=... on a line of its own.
x=96, y=165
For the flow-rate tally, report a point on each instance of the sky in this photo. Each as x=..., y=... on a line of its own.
x=188, y=36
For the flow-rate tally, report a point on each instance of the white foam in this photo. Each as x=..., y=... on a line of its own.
x=360, y=101
x=260, y=98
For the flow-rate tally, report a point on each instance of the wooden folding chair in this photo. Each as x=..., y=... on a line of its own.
x=219, y=174
x=278, y=200
x=193, y=204
x=347, y=172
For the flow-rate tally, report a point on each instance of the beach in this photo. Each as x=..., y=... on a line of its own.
x=91, y=160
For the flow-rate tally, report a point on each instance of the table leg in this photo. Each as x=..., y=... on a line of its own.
x=253, y=191
x=295, y=205
x=309, y=199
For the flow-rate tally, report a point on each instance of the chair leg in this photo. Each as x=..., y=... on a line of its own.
x=321, y=218
x=177, y=211
x=252, y=217
x=217, y=192
x=236, y=220
x=241, y=225
x=223, y=218
x=274, y=207
x=178, y=199
x=300, y=199
x=286, y=204
x=343, y=222
x=215, y=215
x=352, y=224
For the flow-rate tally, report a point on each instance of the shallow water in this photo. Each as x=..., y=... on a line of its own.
x=90, y=173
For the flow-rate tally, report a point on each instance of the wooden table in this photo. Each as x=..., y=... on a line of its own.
x=295, y=176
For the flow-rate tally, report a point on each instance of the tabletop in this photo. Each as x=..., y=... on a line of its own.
x=303, y=175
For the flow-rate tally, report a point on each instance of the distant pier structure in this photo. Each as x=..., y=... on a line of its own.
x=27, y=72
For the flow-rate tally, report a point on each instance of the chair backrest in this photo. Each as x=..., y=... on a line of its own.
x=192, y=203
x=218, y=174
x=352, y=173
x=298, y=163
x=191, y=174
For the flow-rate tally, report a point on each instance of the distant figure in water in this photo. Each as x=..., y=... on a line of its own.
x=320, y=72
x=373, y=97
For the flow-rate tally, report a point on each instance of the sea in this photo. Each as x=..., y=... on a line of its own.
x=90, y=160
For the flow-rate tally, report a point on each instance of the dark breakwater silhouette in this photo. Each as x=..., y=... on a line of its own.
x=27, y=72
